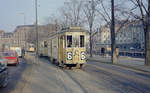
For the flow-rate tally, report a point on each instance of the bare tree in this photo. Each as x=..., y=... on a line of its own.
x=143, y=6
x=113, y=41
x=90, y=13
x=52, y=23
x=121, y=14
x=111, y=12
x=72, y=13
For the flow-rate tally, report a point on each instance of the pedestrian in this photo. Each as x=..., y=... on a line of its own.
x=102, y=51
x=23, y=52
x=117, y=52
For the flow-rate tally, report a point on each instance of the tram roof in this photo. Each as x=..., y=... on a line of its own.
x=70, y=29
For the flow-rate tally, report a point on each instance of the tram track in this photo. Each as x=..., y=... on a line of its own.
x=73, y=75
x=76, y=81
x=111, y=76
x=79, y=83
x=66, y=73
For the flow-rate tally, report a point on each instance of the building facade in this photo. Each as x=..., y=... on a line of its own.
x=129, y=37
x=6, y=39
x=21, y=34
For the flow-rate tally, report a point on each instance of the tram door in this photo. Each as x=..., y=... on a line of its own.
x=61, y=44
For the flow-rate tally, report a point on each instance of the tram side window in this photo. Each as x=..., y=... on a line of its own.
x=81, y=40
x=45, y=44
x=69, y=41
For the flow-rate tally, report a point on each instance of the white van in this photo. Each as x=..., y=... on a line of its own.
x=18, y=50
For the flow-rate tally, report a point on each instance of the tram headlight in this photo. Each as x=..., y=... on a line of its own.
x=69, y=55
x=83, y=55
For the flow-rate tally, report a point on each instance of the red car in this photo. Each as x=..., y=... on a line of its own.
x=12, y=57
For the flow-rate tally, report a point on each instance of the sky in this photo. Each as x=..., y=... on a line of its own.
x=11, y=12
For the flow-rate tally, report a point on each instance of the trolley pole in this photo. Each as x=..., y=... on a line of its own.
x=36, y=27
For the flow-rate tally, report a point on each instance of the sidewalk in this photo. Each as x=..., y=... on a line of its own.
x=133, y=63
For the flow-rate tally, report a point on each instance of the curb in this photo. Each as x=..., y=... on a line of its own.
x=132, y=67
x=121, y=65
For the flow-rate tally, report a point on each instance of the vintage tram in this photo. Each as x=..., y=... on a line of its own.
x=66, y=48
x=43, y=48
x=30, y=47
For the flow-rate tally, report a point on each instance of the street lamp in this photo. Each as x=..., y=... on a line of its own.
x=36, y=26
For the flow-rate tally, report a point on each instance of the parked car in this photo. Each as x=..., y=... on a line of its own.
x=12, y=57
x=3, y=72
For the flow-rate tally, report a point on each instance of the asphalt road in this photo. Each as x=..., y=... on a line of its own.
x=121, y=79
x=43, y=77
x=15, y=75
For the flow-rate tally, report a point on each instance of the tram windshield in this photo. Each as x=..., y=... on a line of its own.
x=75, y=41
x=69, y=41
x=45, y=44
x=81, y=40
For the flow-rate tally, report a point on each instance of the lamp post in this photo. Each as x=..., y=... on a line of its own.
x=36, y=26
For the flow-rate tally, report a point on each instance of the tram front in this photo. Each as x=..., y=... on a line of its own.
x=75, y=48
